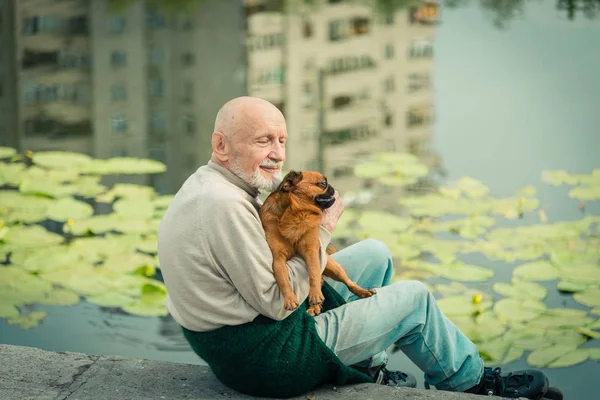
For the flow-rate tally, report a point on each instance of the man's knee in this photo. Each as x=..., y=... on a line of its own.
x=415, y=289
x=377, y=252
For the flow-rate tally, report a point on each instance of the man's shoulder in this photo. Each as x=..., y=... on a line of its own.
x=210, y=188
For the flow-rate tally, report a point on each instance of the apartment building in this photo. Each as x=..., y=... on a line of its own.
x=8, y=112
x=135, y=81
x=349, y=80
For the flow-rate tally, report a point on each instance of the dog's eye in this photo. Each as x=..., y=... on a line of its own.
x=322, y=184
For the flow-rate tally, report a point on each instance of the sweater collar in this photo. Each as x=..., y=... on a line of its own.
x=233, y=178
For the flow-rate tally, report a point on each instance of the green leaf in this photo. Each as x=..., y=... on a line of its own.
x=60, y=297
x=547, y=355
x=463, y=305
x=594, y=353
x=587, y=193
x=134, y=208
x=590, y=297
x=521, y=290
x=536, y=271
x=69, y=208
x=31, y=236
x=573, y=358
x=61, y=159
x=29, y=320
x=8, y=311
x=110, y=299
x=572, y=287
x=587, y=332
x=6, y=152
x=124, y=165
x=518, y=310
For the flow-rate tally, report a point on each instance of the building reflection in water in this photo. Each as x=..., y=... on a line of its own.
x=147, y=82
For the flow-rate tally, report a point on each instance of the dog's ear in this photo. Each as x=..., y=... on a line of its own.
x=291, y=180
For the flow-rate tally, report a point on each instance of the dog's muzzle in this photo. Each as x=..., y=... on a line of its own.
x=326, y=200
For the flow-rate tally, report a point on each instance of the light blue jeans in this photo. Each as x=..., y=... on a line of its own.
x=404, y=313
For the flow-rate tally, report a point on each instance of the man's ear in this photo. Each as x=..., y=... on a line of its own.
x=291, y=180
x=220, y=146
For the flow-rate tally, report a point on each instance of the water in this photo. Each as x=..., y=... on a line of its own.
x=509, y=103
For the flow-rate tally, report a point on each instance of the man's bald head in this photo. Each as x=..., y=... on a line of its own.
x=249, y=140
x=243, y=114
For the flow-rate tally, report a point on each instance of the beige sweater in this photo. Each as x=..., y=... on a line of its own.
x=214, y=258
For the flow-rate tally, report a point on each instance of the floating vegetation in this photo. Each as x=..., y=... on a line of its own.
x=109, y=259
x=429, y=234
x=105, y=259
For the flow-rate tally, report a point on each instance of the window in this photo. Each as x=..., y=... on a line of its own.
x=185, y=23
x=417, y=116
x=158, y=123
x=156, y=87
x=156, y=56
x=44, y=23
x=77, y=25
x=118, y=92
x=418, y=81
x=421, y=48
x=360, y=132
x=342, y=29
x=307, y=95
x=307, y=27
x=388, y=118
x=118, y=58
x=158, y=155
x=119, y=123
x=426, y=14
x=270, y=76
x=350, y=63
x=155, y=19
x=389, y=51
x=117, y=24
x=119, y=152
x=389, y=19
x=188, y=92
x=189, y=124
x=389, y=85
x=187, y=59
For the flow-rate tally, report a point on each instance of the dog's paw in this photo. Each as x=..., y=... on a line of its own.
x=314, y=310
x=290, y=303
x=364, y=293
x=316, y=299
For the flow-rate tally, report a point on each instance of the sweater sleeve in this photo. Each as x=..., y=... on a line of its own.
x=237, y=242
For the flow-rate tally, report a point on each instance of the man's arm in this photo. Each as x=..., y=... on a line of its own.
x=237, y=242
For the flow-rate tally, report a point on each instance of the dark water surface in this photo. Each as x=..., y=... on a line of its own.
x=509, y=104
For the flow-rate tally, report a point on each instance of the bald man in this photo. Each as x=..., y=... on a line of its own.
x=217, y=268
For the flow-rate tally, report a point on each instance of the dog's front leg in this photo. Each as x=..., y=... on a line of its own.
x=310, y=252
x=290, y=301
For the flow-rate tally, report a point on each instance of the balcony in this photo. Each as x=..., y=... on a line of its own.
x=47, y=126
x=345, y=29
x=49, y=24
x=357, y=133
x=55, y=59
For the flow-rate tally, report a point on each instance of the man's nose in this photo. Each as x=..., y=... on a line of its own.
x=278, y=152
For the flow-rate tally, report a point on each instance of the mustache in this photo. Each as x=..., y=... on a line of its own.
x=270, y=163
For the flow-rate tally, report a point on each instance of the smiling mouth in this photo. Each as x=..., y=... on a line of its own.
x=270, y=169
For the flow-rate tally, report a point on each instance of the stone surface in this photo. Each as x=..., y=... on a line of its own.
x=31, y=373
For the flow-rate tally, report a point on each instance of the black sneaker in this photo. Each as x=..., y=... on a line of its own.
x=530, y=384
x=383, y=376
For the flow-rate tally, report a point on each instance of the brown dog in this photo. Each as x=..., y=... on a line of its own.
x=291, y=216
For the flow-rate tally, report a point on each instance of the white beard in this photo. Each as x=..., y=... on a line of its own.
x=257, y=180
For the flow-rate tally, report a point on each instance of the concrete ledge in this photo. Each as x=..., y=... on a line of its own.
x=31, y=373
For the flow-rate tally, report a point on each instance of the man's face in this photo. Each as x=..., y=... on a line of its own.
x=258, y=155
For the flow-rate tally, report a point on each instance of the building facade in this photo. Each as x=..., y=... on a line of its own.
x=121, y=81
x=349, y=80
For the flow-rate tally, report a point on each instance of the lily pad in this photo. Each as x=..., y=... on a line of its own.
x=521, y=290
x=29, y=320
x=518, y=310
x=573, y=358
x=123, y=165
x=463, y=306
x=61, y=159
x=536, y=271
x=69, y=208
x=8, y=311
x=32, y=236
x=590, y=297
x=111, y=299
x=585, y=193
x=134, y=208
x=6, y=152
x=547, y=355
x=60, y=297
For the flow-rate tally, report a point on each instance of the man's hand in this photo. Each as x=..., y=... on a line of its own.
x=331, y=215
